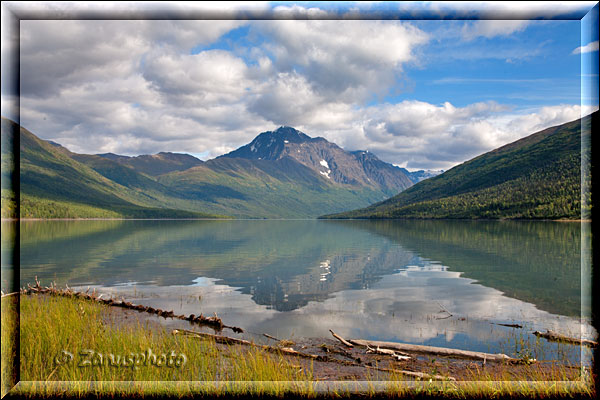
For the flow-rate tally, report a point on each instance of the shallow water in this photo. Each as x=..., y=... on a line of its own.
x=444, y=283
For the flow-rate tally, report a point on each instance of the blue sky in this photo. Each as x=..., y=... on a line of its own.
x=531, y=68
x=419, y=93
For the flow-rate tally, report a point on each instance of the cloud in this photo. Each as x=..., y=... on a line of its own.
x=545, y=117
x=588, y=48
x=492, y=28
x=423, y=135
x=57, y=54
x=347, y=59
x=136, y=87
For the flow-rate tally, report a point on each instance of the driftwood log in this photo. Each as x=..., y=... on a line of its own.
x=557, y=337
x=214, y=322
x=438, y=351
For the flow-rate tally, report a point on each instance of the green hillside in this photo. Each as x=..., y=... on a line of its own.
x=536, y=177
x=265, y=189
x=54, y=185
x=156, y=164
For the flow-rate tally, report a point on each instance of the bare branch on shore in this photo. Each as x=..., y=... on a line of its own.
x=420, y=375
x=339, y=351
x=398, y=356
x=341, y=339
x=557, y=337
x=271, y=337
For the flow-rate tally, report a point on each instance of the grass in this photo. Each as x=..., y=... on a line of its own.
x=9, y=328
x=52, y=325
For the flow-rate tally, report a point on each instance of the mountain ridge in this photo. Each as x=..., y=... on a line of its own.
x=179, y=185
x=156, y=164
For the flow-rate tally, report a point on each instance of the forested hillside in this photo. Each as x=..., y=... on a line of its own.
x=536, y=177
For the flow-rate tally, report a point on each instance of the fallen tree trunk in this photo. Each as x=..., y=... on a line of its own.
x=438, y=351
x=557, y=337
x=214, y=321
x=512, y=325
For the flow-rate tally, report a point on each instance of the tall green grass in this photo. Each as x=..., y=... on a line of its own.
x=10, y=318
x=52, y=326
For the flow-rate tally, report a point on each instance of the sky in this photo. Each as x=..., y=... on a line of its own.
x=418, y=93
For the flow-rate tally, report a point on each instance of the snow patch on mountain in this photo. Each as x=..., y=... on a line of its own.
x=326, y=173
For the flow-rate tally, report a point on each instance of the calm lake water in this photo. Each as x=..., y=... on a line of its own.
x=442, y=283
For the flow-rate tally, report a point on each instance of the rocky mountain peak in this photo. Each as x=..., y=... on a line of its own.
x=326, y=159
x=290, y=134
x=270, y=145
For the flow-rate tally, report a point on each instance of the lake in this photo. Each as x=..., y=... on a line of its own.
x=441, y=283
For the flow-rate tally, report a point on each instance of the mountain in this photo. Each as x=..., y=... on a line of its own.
x=421, y=175
x=538, y=176
x=287, y=174
x=53, y=184
x=358, y=168
x=156, y=164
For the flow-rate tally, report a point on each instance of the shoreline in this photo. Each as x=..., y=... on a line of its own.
x=121, y=316
x=329, y=364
